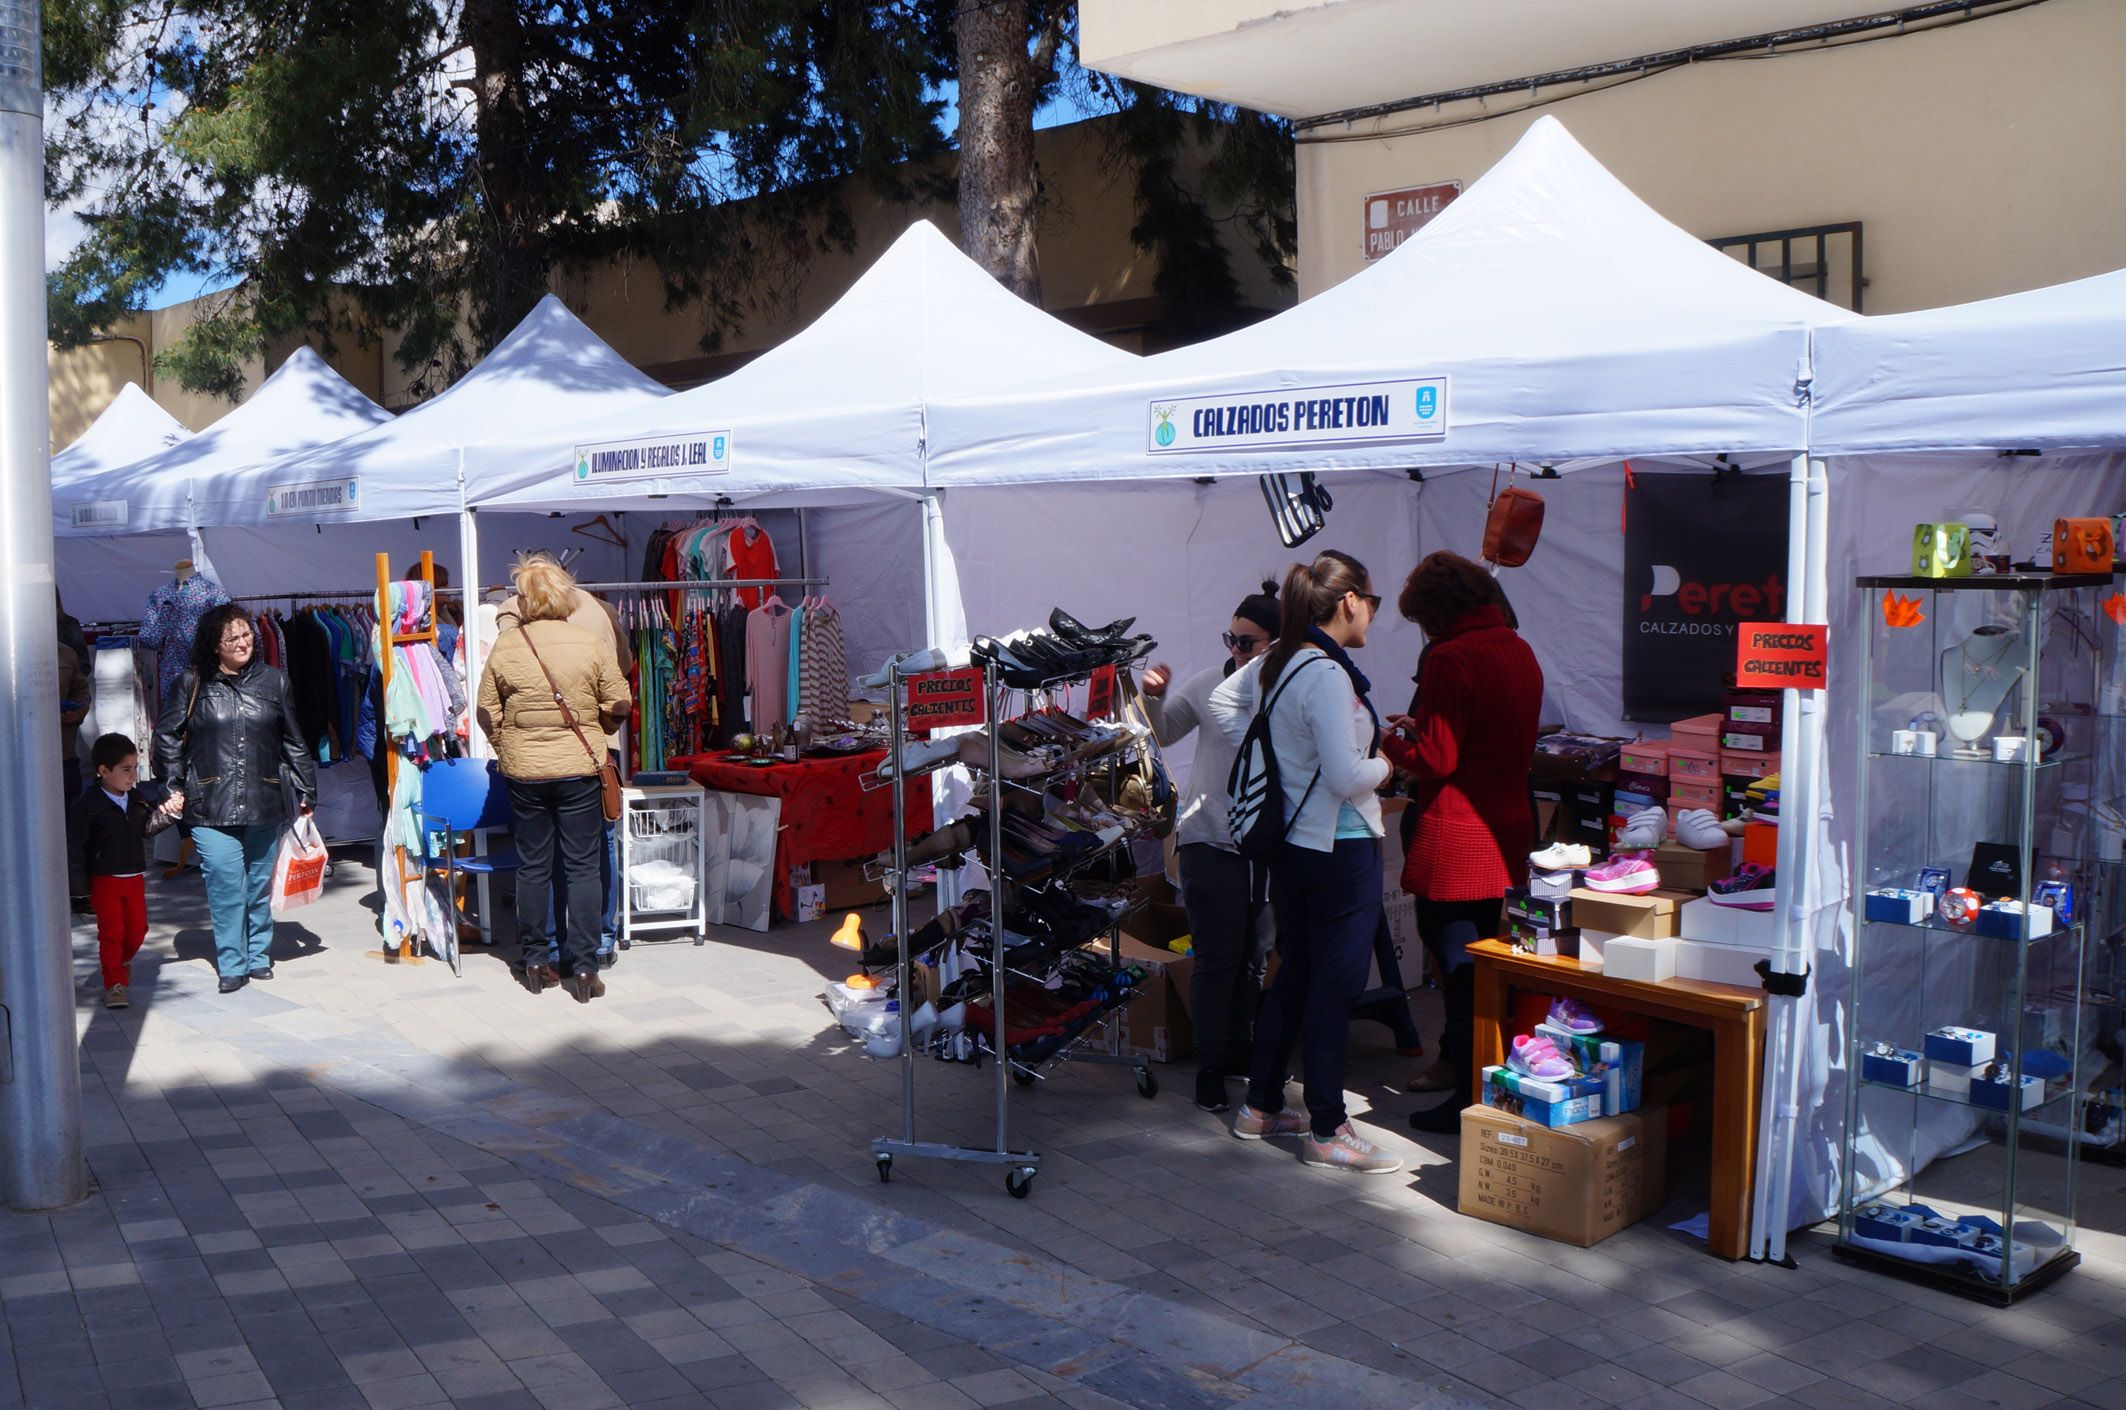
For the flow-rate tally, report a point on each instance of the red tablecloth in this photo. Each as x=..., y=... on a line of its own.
x=826, y=815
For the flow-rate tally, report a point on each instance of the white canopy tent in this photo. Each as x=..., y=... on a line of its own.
x=303, y=405
x=1557, y=319
x=834, y=419
x=2011, y=407
x=107, y=579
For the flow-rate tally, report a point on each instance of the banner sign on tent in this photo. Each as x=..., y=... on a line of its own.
x=1780, y=656
x=98, y=514
x=1703, y=554
x=1346, y=414
x=654, y=457
x=314, y=497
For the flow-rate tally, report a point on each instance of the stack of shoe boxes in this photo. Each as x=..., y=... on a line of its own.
x=1749, y=745
x=1596, y=1075
x=1542, y=925
x=1694, y=762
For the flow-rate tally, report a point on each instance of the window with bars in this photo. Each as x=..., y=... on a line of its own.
x=1823, y=260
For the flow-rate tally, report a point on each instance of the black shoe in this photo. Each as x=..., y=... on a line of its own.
x=1070, y=629
x=607, y=959
x=1442, y=1120
x=230, y=983
x=586, y=985
x=262, y=972
x=1210, y=1092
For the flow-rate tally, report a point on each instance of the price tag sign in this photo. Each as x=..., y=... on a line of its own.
x=1100, y=694
x=1780, y=656
x=946, y=699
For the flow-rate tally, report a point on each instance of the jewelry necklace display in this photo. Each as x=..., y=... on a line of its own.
x=1976, y=680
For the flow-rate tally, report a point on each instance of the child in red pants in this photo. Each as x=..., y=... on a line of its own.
x=107, y=827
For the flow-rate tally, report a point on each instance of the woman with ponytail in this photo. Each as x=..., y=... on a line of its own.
x=1325, y=880
x=1227, y=909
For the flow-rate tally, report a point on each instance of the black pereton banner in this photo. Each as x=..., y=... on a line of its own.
x=1703, y=553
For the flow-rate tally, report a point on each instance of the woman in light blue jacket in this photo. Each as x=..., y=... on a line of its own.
x=1325, y=881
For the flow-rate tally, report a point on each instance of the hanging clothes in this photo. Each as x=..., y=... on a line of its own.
x=823, y=674
x=748, y=552
x=767, y=647
x=170, y=621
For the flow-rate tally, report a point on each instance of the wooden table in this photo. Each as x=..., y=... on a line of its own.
x=1734, y=1016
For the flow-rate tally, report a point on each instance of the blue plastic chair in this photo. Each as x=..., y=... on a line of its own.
x=464, y=798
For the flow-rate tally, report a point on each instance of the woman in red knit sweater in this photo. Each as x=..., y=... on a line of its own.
x=1467, y=748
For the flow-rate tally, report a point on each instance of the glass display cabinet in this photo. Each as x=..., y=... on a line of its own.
x=1987, y=865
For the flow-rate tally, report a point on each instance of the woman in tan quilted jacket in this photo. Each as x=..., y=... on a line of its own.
x=550, y=692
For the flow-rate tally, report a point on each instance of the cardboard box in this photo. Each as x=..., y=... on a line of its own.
x=1646, y=961
x=1549, y=912
x=1158, y=1025
x=1400, y=908
x=811, y=902
x=1721, y=964
x=1593, y=945
x=1155, y=923
x=1690, y=869
x=1578, y=1184
x=846, y=889
x=1542, y=940
x=1619, y=1063
x=1653, y=916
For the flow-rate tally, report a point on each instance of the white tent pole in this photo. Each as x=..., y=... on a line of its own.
x=933, y=555
x=469, y=634
x=1786, y=1113
x=1785, y=890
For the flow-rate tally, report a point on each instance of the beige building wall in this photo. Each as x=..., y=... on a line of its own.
x=1981, y=158
x=83, y=381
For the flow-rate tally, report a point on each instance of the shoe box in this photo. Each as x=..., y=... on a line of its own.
x=1619, y=1064
x=1712, y=924
x=1576, y=1184
x=844, y=886
x=1157, y=1025
x=1547, y=1103
x=1638, y=958
x=1693, y=869
x=1649, y=917
x=1541, y=925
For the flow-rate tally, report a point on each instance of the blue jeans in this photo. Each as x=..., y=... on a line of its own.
x=609, y=916
x=1327, y=906
x=238, y=865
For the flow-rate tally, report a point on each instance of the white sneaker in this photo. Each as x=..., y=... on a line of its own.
x=920, y=754
x=1700, y=828
x=1644, y=831
x=1562, y=856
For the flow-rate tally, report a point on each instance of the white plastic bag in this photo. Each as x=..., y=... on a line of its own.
x=299, y=866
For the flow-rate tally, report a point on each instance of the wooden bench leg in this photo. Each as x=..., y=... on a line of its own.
x=1494, y=1000
x=1736, y=1062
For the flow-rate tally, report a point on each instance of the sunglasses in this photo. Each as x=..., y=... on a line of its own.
x=1371, y=599
x=1248, y=645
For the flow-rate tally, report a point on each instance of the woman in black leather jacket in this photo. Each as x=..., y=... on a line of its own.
x=227, y=743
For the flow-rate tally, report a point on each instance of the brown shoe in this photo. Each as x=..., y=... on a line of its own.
x=115, y=997
x=588, y=985
x=1437, y=1078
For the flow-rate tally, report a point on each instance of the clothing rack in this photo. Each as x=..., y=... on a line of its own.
x=365, y=595
x=704, y=585
x=389, y=637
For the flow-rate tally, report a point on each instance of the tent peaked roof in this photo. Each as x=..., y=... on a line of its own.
x=841, y=405
x=923, y=321
x=551, y=369
x=304, y=404
x=2042, y=370
x=1570, y=318
x=129, y=429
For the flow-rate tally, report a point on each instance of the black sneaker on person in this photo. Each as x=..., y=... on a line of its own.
x=264, y=971
x=1210, y=1092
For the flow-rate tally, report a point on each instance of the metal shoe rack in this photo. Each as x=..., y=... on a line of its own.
x=1021, y=1166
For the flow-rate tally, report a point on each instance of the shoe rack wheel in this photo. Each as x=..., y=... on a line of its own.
x=885, y=1168
x=1019, y=1180
x=1147, y=1083
x=1023, y=1076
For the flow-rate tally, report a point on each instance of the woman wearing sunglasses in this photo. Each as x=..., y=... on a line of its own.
x=1228, y=909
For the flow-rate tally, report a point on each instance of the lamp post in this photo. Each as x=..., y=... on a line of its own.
x=40, y=1076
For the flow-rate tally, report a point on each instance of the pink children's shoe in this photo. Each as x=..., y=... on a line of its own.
x=1573, y=1016
x=1624, y=876
x=1538, y=1057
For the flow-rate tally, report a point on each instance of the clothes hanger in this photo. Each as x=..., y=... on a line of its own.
x=601, y=530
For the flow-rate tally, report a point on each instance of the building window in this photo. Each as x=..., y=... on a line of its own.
x=1823, y=260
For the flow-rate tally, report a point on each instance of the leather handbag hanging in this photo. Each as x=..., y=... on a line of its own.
x=1512, y=522
x=608, y=776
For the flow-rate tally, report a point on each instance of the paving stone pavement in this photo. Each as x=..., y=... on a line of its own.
x=374, y=1186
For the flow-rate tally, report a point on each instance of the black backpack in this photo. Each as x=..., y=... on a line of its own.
x=1256, y=814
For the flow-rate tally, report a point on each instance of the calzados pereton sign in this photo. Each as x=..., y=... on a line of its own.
x=1414, y=409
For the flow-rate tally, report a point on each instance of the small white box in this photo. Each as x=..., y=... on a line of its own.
x=811, y=903
x=1721, y=963
x=1592, y=944
x=1951, y=1078
x=2010, y=748
x=1711, y=924
x=1648, y=961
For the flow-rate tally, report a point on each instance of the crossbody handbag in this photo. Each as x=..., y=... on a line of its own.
x=608, y=776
